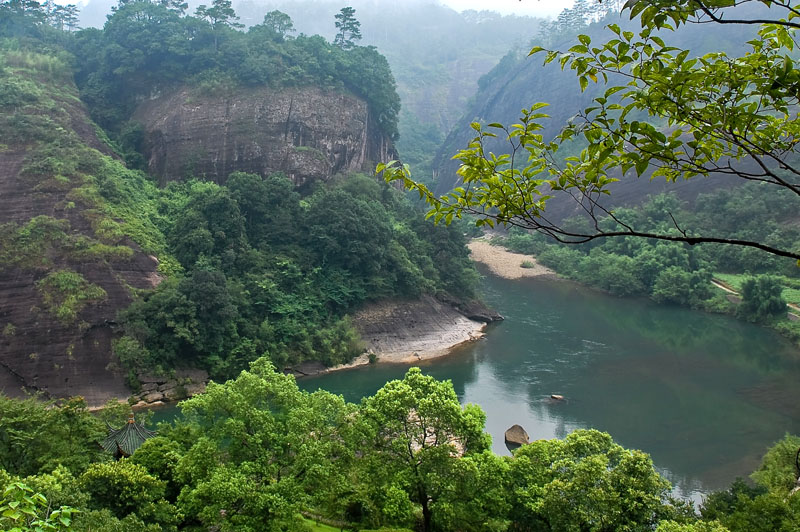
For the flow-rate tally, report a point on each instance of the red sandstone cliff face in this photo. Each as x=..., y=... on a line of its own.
x=306, y=133
x=39, y=350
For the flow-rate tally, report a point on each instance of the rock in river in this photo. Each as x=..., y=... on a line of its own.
x=516, y=436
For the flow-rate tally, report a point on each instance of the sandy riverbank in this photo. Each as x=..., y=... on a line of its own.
x=504, y=263
x=405, y=332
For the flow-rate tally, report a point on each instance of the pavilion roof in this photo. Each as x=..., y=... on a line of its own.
x=125, y=440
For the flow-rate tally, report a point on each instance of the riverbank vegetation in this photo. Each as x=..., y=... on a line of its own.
x=681, y=274
x=255, y=453
x=266, y=270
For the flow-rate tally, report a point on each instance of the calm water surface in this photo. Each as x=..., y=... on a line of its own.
x=705, y=395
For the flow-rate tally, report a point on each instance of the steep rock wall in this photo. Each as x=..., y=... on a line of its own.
x=41, y=351
x=306, y=133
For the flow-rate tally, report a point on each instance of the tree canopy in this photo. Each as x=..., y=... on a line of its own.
x=254, y=452
x=348, y=28
x=664, y=114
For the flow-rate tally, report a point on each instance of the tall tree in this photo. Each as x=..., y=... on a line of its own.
x=416, y=431
x=664, y=114
x=348, y=29
x=586, y=482
x=220, y=15
x=70, y=17
x=279, y=22
x=762, y=299
x=266, y=449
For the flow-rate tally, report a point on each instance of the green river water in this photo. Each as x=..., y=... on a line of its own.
x=704, y=394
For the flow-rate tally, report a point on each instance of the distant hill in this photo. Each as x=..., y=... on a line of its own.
x=518, y=81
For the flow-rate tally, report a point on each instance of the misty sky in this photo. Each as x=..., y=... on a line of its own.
x=541, y=8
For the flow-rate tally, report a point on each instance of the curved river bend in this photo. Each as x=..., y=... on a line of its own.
x=705, y=395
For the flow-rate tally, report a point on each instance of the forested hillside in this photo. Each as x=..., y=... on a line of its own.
x=73, y=248
x=518, y=81
x=124, y=254
x=436, y=54
x=245, y=269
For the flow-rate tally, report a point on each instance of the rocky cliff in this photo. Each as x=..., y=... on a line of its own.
x=66, y=264
x=306, y=133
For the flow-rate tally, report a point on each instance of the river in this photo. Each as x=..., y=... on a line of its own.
x=704, y=394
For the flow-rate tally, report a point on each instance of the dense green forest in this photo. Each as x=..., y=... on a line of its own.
x=256, y=274
x=268, y=271
x=256, y=453
x=253, y=267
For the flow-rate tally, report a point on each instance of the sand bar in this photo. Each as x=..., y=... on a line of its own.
x=504, y=263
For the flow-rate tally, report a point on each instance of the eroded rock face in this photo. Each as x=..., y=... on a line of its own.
x=306, y=133
x=40, y=351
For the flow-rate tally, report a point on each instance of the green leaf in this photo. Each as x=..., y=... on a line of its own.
x=641, y=166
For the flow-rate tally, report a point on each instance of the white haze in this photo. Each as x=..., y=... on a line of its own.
x=96, y=10
x=534, y=8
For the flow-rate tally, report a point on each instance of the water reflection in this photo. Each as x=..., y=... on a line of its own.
x=704, y=395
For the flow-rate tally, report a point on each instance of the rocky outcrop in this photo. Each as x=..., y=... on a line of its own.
x=516, y=436
x=306, y=133
x=411, y=330
x=160, y=389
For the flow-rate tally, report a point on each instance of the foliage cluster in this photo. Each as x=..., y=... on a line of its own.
x=268, y=271
x=20, y=510
x=675, y=272
x=65, y=293
x=256, y=452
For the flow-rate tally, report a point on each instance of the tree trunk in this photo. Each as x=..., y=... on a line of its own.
x=426, y=511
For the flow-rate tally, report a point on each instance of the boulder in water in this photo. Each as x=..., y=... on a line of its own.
x=516, y=436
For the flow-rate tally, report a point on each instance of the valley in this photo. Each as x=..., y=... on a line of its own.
x=260, y=271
